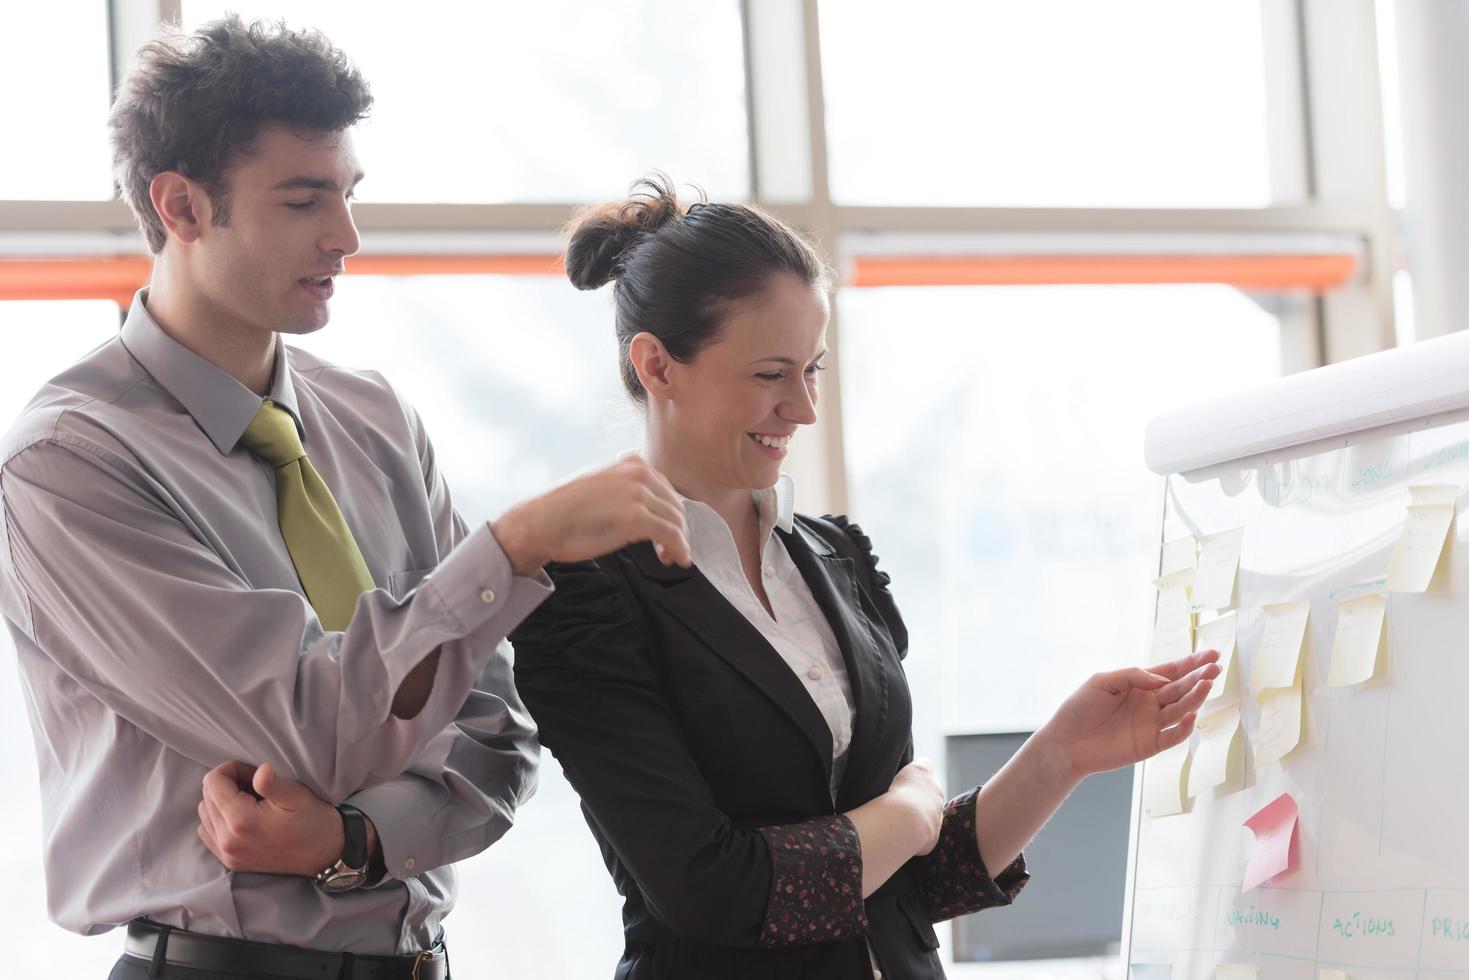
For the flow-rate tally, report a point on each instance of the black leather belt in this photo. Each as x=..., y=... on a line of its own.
x=162, y=944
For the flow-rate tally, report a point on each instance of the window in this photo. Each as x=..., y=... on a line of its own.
x=1057, y=103
x=42, y=338
x=552, y=101
x=994, y=441
x=515, y=377
x=54, y=73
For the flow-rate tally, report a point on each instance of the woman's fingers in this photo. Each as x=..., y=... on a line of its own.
x=1178, y=734
x=1154, y=677
x=1190, y=702
x=1119, y=681
x=1177, y=690
x=1183, y=666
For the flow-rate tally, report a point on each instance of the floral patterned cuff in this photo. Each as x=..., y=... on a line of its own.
x=952, y=879
x=816, y=883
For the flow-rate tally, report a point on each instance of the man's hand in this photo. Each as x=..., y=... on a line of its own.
x=588, y=517
x=254, y=819
x=594, y=515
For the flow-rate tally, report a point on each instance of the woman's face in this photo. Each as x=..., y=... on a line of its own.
x=735, y=407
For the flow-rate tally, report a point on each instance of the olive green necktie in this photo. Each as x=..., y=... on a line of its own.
x=327, y=561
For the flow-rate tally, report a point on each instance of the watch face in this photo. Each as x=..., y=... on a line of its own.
x=344, y=881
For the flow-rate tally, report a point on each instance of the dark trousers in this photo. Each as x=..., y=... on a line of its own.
x=128, y=968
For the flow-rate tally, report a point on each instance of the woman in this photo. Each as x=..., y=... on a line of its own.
x=739, y=731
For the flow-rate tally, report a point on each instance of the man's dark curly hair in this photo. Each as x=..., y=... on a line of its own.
x=195, y=103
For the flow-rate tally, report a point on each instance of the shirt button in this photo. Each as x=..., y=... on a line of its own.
x=487, y=596
x=408, y=864
x=770, y=571
x=814, y=672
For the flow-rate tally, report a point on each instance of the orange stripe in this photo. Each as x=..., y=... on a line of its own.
x=1316, y=272
x=456, y=265
x=115, y=278
x=118, y=277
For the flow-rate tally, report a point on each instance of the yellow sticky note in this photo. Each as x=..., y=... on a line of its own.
x=1328, y=974
x=1357, y=652
x=1235, y=971
x=1179, y=555
x=1165, y=776
x=1219, y=634
x=1280, y=723
x=1173, y=627
x=1420, y=547
x=1218, y=563
x=1217, y=758
x=1278, y=661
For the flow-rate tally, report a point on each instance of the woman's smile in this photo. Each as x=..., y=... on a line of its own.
x=773, y=446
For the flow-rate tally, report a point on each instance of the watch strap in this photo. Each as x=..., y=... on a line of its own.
x=354, y=830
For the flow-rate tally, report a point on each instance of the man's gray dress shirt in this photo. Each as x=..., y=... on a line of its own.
x=161, y=630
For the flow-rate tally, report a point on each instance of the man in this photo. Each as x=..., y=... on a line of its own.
x=216, y=547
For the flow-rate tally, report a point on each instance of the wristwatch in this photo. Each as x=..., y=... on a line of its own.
x=350, y=870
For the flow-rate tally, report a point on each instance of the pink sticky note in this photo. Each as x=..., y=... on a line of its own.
x=1275, y=837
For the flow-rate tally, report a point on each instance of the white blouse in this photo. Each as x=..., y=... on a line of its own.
x=798, y=630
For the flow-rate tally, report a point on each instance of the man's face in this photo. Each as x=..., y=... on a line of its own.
x=273, y=266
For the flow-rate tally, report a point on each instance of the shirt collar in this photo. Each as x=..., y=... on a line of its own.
x=219, y=404
x=776, y=507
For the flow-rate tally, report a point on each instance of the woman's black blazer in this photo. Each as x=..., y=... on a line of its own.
x=704, y=770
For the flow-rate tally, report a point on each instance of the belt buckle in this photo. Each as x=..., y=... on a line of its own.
x=423, y=954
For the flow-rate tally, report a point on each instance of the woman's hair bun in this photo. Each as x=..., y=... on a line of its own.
x=601, y=235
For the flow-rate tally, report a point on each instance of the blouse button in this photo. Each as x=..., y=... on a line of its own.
x=814, y=672
x=769, y=571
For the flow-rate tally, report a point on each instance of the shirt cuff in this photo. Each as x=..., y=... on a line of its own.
x=474, y=584
x=396, y=808
x=952, y=878
x=815, y=883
